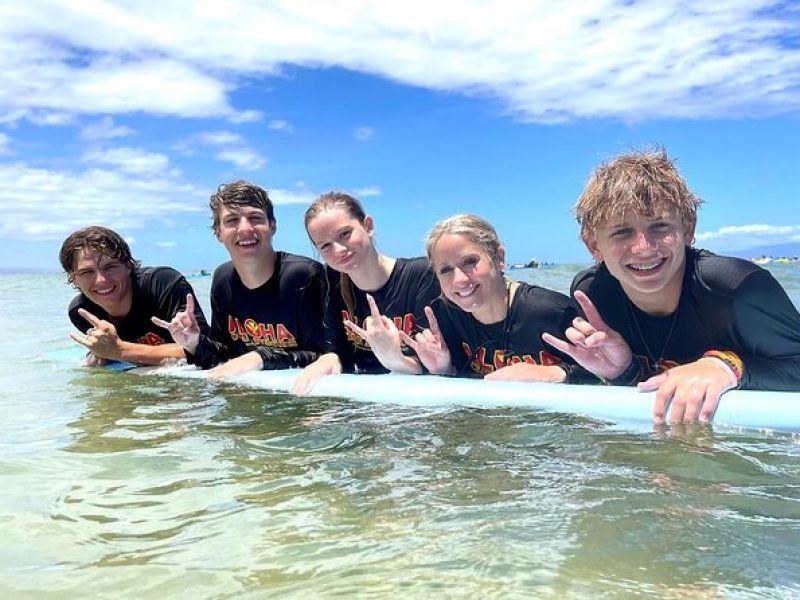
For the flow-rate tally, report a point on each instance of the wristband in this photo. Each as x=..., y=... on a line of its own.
x=731, y=360
x=630, y=375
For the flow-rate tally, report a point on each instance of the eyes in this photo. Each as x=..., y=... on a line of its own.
x=110, y=269
x=659, y=228
x=466, y=265
x=256, y=218
x=342, y=238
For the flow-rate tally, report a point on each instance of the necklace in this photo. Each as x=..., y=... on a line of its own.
x=650, y=354
x=507, y=324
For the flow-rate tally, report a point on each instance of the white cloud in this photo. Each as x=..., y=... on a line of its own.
x=219, y=138
x=364, y=134
x=280, y=125
x=544, y=61
x=281, y=196
x=230, y=147
x=167, y=245
x=4, y=143
x=128, y=160
x=366, y=192
x=47, y=204
x=246, y=159
x=105, y=129
x=742, y=237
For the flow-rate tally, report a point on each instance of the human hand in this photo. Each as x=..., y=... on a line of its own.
x=241, y=364
x=690, y=392
x=592, y=343
x=94, y=361
x=383, y=337
x=183, y=327
x=327, y=364
x=523, y=371
x=101, y=338
x=430, y=347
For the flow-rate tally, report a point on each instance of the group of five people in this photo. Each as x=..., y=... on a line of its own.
x=652, y=310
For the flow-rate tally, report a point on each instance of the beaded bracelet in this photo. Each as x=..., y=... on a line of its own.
x=731, y=360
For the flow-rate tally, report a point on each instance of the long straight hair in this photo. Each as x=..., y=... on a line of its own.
x=347, y=203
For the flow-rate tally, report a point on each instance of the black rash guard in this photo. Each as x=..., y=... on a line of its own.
x=157, y=292
x=281, y=319
x=411, y=286
x=726, y=304
x=477, y=349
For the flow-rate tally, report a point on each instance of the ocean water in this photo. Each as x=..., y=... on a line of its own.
x=123, y=486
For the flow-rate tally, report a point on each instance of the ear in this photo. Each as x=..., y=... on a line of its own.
x=501, y=258
x=590, y=241
x=688, y=232
x=369, y=225
x=273, y=226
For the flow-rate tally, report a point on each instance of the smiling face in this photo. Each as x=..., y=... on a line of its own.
x=344, y=242
x=246, y=232
x=469, y=277
x=104, y=280
x=646, y=255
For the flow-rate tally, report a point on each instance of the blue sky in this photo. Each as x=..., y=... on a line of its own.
x=130, y=114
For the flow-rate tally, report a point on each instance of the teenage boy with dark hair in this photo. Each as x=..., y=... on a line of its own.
x=266, y=305
x=118, y=297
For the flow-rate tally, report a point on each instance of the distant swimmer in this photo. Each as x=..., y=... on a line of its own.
x=118, y=297
x=485, y=324
x=681, y=321
x=266, y=304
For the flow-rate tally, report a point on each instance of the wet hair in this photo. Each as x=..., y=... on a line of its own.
x=351, y=206
x=472, y=227
x=95, y=238
x=646, y=182
x=236, y=195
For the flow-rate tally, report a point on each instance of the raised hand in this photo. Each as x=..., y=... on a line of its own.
x=384, y=339
x=183, y=328
x=430, y=347
x=593, y=344
x=101, y=338
x=690, y=392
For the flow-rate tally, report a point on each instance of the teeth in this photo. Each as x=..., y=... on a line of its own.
x=105, y=291
x=247, y=242
x=466, y=292
x=646, y=266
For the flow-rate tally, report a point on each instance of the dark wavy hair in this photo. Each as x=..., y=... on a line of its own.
x=237, y=194
x=95, y=238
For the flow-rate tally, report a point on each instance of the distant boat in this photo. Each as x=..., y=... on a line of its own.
x=531, y=264
x=765, y=260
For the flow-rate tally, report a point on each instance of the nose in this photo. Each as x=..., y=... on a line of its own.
x=643, y=242
x=243, y=224
x=339, y=249
x=459, y=277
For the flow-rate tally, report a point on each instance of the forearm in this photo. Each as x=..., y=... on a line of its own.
x=209, y=353
x=277, y=358
x=143, y=354
x=407, y=365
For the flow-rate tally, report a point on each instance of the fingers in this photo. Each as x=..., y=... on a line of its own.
x=373, y=307
x=592, y=315
x=355, y=329
x=79, y=339
x=433, y=324
x=558, y=343
x=160, y=322
x=90, y=318
x=190, y=304
x=408, y=340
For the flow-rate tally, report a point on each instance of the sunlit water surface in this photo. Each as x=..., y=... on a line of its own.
x=119, y=485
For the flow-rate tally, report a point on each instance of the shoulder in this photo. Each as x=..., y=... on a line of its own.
x=723, y=275
x=157, y=274
x=418, y=264
x=543, y=298
x=590, y=278
x=223, y=271
x=299, y=263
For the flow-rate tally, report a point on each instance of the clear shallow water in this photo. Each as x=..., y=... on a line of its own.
x=123, y=486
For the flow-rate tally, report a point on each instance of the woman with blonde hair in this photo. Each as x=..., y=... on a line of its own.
x=485, y=324
x=371, y=299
